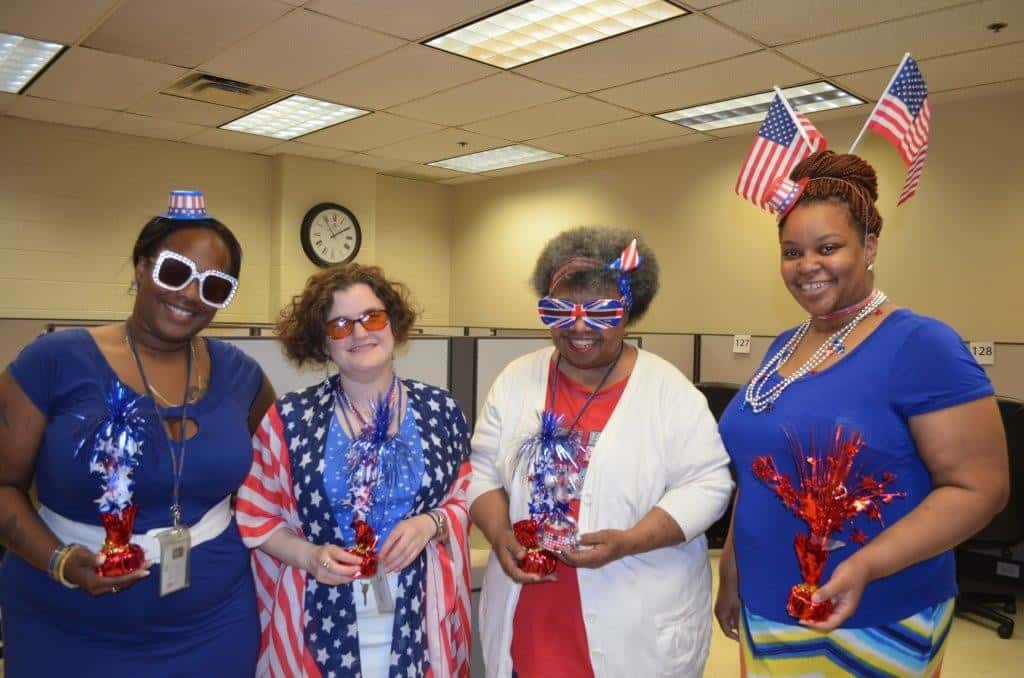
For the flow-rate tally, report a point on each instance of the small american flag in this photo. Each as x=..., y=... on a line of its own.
x=903, y=116
x=776, y=150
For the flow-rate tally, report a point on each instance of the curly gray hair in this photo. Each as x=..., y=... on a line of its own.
x=601, y=244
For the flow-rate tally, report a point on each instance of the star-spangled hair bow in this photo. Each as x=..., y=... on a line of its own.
x=624, y=263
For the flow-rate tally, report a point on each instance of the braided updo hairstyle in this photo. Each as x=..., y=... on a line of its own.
x=844, y=178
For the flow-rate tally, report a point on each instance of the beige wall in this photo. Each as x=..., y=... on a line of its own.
x=72, y=201
x=953, y=251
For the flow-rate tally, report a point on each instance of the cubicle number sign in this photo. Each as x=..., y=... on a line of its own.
x=984, y=352
x=741, y=343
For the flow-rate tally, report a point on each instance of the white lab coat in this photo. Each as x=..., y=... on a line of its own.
x=647, y=615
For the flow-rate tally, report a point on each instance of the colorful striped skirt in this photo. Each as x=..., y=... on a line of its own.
x=911, y=647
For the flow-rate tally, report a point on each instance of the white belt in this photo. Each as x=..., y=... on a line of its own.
x=211, y=525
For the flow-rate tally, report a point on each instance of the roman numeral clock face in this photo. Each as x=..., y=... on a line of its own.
x=330, y=234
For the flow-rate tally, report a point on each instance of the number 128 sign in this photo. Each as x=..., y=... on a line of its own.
x=984, y=352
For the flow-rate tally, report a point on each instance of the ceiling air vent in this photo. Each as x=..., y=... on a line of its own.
x=224, y=92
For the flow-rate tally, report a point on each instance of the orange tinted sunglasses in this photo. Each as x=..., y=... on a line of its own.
x=339, y=328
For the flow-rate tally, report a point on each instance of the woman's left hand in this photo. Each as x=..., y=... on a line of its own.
x=845, y=588
x=605, y=546
x=406, y=541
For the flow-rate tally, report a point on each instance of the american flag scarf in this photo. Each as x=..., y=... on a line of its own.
x=285, y=489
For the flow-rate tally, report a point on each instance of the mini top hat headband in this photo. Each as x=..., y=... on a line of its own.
x=186, y=206
x=628, y=261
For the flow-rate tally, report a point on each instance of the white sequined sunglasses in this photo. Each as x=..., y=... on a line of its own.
x=174, y=272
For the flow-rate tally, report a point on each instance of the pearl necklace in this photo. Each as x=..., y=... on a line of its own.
x=760, y=400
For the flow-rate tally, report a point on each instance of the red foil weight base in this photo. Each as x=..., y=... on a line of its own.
x=803, y=608
x=122, y=557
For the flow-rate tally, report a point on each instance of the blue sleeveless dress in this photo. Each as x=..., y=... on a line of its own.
x=210, y=628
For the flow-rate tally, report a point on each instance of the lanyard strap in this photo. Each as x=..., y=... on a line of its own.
x=593, y=394
x=177, y=452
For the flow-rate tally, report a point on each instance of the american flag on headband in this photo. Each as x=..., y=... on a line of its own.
x=628, y=260
x=903, y=116
x=599, y=314
x=776, y=150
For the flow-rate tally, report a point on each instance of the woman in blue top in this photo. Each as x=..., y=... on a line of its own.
x=926, y=413
x=60, y=616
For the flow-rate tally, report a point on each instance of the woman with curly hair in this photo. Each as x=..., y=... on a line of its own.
x=597, y=469
x=355, y=503
x=931, y=434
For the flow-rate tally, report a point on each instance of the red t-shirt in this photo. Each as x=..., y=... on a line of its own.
x=548, y=635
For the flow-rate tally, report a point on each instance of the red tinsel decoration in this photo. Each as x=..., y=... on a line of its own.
x=537, y=560
x=825, y=498
x=366, y=539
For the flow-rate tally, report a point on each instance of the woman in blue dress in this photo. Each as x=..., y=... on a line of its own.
x=194, y=404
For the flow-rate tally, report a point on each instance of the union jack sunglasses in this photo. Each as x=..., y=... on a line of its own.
x=597, y=314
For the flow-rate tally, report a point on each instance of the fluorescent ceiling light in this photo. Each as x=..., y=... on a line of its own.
x=21, y=59
x=540, y=28
x=497, y=158
x=293, y=117
x=817, y=96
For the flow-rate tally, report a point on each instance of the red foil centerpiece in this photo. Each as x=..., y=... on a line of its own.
x=824, y=498
x=537, y=560
x=122, y=556
x=366, y=540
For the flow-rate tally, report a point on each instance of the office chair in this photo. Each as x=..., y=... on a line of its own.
x=1004, y=532
x=719, y=395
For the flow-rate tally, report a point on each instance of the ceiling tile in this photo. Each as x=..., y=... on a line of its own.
x=1008, y=87
x=94, y=78
x=157, y=30
x=304, y=150
x=723, y=80
x=466, y=179
x=54, y=20
x=405, y=74
x=546, y=119
x=410, y=20
x=647, y=147
x=59, y=112
x=535, y=166
x=234, y=141
x=369, y=131
x=299, y=49
x=778, y=22
x=184, y=110
x=704, y=4
x=144, y=126
x=439, y=146
x=662, y=48
x=424, y=172
x=6, y=101
x=948, y=72
x=621, y=133
x=371, y=161
x=486, y=98
x=952, y=30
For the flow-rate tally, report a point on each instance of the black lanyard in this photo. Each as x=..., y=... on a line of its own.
x=593, y=394
x=177, y=451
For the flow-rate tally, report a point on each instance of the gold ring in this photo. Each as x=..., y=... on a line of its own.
x=326, y=564
x=114, y=589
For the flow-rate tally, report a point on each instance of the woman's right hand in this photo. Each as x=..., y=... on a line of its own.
x=80, y=569
x=510, y=552
x=331, y=564
x=727, y=603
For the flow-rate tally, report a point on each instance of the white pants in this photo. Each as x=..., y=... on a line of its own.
x=375, y=629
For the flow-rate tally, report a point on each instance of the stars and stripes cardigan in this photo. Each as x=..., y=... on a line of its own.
x=284, y=490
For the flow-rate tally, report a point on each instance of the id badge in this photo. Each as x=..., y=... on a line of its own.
x=175, y=556
x=382, y=593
